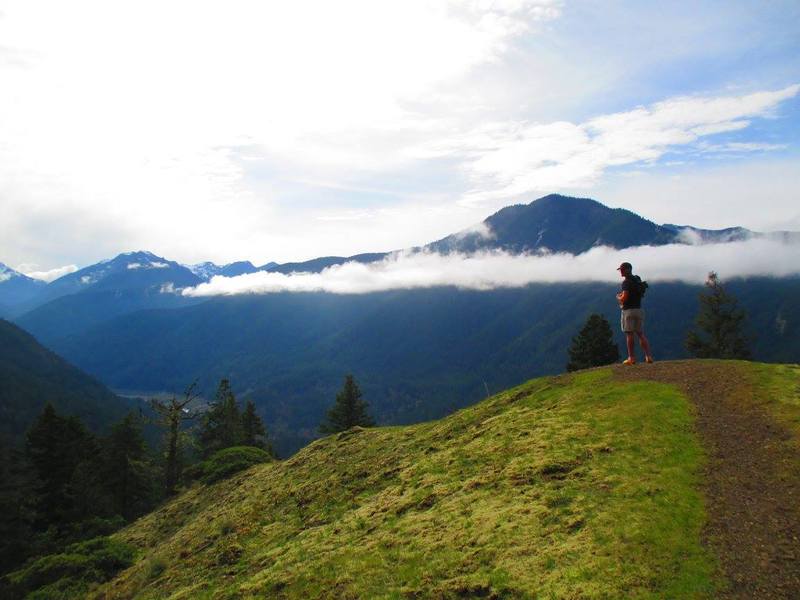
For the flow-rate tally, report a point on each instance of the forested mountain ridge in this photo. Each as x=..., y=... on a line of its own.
x=418, y=354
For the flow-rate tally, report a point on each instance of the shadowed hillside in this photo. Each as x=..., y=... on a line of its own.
x=31, y=376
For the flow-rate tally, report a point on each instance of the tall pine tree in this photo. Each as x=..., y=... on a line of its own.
x=17, y=508
x=222, y=423
x=253, y=431
x=719, y=324
x=55, y=446
x=171, y=416
x=593, y=346
x=350, y=410
x=127, y=473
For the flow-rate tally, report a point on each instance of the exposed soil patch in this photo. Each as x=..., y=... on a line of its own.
x=752, y=480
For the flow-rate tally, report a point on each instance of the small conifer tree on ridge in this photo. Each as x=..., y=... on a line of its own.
x=350, y=409
x=719, y=323
x=222, y=423
x=593, y=346
x=253, y=431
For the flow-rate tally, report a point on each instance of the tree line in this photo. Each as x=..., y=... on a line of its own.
x=67, y=484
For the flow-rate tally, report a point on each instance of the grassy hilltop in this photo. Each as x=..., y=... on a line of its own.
x=587, y=485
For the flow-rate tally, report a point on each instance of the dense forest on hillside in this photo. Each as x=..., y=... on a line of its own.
x=32, y=376
x=418, y=354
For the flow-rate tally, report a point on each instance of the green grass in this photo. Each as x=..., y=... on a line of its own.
x=569, y=487
x=778, y=389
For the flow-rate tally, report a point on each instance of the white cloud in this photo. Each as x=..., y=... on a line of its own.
x=759, y=194
x=134, y=265
x=490, y=270
x=303, y=87
x=741, y=147
x=109, y=142
x=481, y=229
x=510, y=159
x=52, y=274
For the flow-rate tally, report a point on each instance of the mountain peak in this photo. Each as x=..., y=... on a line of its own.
x=556, y=223
x=573, y=201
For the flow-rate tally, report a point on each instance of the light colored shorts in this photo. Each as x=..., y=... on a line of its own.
x=632, y=320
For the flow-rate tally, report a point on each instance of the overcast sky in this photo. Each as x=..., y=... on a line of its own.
x=287, y=130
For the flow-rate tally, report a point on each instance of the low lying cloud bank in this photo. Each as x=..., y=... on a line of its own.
x=492, y=270
x=52, y=274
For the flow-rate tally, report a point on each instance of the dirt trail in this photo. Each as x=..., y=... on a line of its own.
x=752, y=479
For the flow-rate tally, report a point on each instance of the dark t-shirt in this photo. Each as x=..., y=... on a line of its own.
x=632, y=285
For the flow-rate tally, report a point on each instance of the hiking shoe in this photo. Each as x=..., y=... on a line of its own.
x=629, y=361
x=648, y=360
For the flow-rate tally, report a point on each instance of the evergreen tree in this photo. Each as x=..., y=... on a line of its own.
x=253, y=431
x=222, y=423
x=170, y=416
x=719, y=324
x=55, y=446
x=350, y=410
x=127, y=472
x=17, y=508
x=593, y=346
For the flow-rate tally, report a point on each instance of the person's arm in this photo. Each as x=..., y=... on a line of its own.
x=623, y=295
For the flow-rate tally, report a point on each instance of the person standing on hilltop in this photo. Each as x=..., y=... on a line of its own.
x=632, y=319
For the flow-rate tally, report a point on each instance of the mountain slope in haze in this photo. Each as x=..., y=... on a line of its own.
x=207, y=270
x=417, y=354
x=315, y=265
x=17, y=289
x=31, y=376
x=575, y=486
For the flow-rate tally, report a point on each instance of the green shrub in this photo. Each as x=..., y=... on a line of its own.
x=193, y=472
x=69, y=573
x=107, y=555
x=156, y=567
x=229, y=461
x=227, y=527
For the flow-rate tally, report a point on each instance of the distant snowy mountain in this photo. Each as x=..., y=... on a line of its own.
x=207, y=270
x=130, y=270
x=129, y=282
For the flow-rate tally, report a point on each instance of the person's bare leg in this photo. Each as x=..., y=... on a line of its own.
x=645, y=345
x=629, y=343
